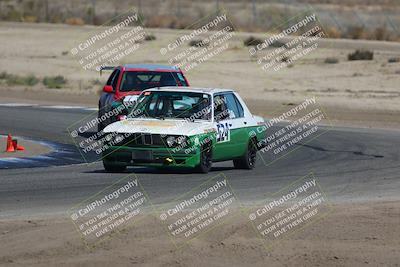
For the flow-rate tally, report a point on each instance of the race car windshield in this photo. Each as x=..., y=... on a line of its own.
x=179, y=105
x=139, y=81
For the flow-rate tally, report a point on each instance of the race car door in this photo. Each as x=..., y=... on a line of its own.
x=231, y=136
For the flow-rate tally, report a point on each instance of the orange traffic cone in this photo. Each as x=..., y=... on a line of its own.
x=21, y=148
x=16, y=146
x=10, y=146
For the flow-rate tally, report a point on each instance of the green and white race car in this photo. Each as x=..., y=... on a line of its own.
x=184, y=127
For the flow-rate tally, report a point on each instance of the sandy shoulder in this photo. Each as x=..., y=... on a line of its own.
x=352, y=235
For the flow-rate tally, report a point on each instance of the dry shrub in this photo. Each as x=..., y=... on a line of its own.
x=361, y=55
x=75, y=21
x=331, y=60
x=394, y=60
x=381, y=34
x=54, y=81
x=13, y=15
x=333, y=32
x=56, y=18
x=166, y=21
x=158, y=21
x=198, y=43
x=12, y=79
x=357, y=33
x=150, y=37
x=285, y=59
x=252, y=41
x=30, y=19
x=277, y=44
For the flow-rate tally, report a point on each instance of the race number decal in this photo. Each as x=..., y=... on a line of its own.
x=223, y=132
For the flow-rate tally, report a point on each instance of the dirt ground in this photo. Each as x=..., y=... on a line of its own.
x=361, y=93
x=351, y=235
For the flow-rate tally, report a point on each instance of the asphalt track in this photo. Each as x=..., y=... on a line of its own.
x=350, y=165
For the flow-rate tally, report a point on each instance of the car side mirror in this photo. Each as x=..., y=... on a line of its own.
x=108, y=89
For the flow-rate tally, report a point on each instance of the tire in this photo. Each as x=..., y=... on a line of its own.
x=109, y=167
x=248, y=160
x=205, y=159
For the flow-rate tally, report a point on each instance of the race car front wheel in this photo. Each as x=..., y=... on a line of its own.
x=248, y=160
x=205, y=159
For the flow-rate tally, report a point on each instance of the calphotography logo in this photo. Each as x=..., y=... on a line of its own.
x=291, y=129
x=110, y=210
x=93, y=144
x=297, y=38
x=289, y=210
x=112, y=42
x=199, y=211
x=208, y=38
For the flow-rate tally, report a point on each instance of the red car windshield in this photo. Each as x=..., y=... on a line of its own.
x=139, y=81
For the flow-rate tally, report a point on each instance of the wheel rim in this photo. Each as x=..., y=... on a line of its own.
x=252, y=155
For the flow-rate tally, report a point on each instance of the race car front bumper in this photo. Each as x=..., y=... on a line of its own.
x=151, y=156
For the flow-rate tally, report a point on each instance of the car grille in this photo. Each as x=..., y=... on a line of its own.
x=138, y=139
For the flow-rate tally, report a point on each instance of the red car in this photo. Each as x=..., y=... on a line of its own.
x=126, y=82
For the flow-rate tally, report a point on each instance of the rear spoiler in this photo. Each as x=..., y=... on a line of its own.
x=106, y=68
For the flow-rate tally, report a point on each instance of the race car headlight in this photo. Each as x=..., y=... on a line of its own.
x=170, y=141
x=176, y=140
x=181, y=140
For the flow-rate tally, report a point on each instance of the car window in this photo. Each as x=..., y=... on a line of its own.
x=220, y=109
x=180, y=79
x=153, y=104
x=185, y=103
x=115, y=79
x=232, y=106
x=239, y=106
x=111, y=78
x=142, y=80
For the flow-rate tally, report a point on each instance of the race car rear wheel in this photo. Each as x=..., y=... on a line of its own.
x=248, y=160
x=205, y=159
x=110, y=167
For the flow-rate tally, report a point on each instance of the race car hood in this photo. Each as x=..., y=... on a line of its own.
x=155, y=126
